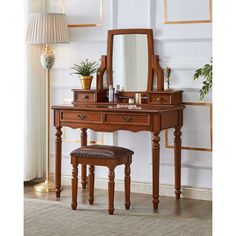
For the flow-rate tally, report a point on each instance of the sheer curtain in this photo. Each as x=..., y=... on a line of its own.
x=35, y=123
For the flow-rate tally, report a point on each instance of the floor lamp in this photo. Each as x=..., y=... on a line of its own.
x=47, y=28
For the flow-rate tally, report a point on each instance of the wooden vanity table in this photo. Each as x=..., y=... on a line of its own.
x=159, y=109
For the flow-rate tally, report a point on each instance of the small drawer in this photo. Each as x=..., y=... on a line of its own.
x=126, y=118
x=160, y=99
x=89, y=117
x=85, y=96
x=171, y=97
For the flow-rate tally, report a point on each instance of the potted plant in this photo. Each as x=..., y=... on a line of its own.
x=85, y=69
x=206, y=73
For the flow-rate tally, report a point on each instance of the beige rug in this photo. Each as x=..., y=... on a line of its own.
x=49, y=218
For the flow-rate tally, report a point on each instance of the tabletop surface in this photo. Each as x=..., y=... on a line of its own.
x=120, y=107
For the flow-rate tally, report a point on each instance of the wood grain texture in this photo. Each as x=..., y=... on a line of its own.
x=58, y=141
x=127, y=181
x=155, y=167
x=111, y=189
x=177, y=151
x=83, y=136
x=91, y=185
x=153, y=61
x=159, y=110
x=101, y=71
x=149, y=118
x=120, y=158
x=74, y=182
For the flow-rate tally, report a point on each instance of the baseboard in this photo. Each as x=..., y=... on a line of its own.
x=146, y=188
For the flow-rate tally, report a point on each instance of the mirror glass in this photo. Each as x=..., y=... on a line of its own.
x=130, y=62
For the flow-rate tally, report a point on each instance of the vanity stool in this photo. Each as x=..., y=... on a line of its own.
x=101, y=155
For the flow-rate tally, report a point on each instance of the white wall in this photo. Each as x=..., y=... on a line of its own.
x=184, y=48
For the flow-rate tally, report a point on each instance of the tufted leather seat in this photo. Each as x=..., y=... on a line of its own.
x=101, y=155
x=101, y=151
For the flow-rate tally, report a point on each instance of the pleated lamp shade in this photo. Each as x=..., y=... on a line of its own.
x=47, y=28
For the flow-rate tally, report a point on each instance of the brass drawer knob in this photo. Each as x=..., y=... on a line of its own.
x=159, y=99
x=82, y=116
x=86, y=96
x=126, y=118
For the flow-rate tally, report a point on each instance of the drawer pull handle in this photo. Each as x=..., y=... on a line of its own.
x=86, y=96
x=82, y=116
x=159, y=99
x=126, y=118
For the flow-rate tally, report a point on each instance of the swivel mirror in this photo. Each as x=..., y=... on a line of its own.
x=129, y=59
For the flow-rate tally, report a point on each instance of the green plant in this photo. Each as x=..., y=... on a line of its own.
x=206, y=73
x=85, y=68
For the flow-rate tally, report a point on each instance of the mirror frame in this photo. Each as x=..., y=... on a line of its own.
x=111, y=34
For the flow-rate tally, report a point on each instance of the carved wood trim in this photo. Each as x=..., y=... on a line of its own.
x=155, y=167
x=177, y=151
x=111, y=189
x=111, y=34
x=159, y=73
x=58, y=141
x=101, y=72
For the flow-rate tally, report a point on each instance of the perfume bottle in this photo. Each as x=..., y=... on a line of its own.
x=110, y=94
x=131, y=100
x=138, y=98
x=167, y=79
x=116, y=94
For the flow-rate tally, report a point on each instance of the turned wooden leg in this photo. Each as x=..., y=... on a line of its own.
x=177, y=150
x=111, y=189
x=127, y=186
x=91, y=185
x=58, y=161
x=83, y=167
x=155, y=168
x=74, y=182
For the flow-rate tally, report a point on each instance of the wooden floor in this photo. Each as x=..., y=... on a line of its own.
x=168, y=206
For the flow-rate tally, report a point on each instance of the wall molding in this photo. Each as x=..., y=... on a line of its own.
x=56, y=86
x=182, y=40
x=114, y=14
x=156, y=39
x=76, y=25
x=151, y=24
x=209, y=20
x=188, y=166
x=174, y=63
x=204, y=149
x=152, y=14
x=146, y=188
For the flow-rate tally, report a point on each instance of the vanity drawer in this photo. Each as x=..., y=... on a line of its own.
x=85, y=96
x=89, y=117
x=160, y=98
x=127, y=118
x=171, y=97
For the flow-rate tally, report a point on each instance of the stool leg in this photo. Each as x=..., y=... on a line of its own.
x=83, y=137
x=74, y=182
x=91, y=185
x=111, y=188
x=127, y=186
x=83, y=176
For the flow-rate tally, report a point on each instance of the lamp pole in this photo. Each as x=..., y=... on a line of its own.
x=47, y=60
x=47, y=28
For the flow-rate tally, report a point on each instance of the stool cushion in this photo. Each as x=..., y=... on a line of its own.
x=101, y=151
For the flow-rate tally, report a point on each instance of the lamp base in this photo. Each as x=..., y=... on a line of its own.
x=47, y=59
x=45, y=187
